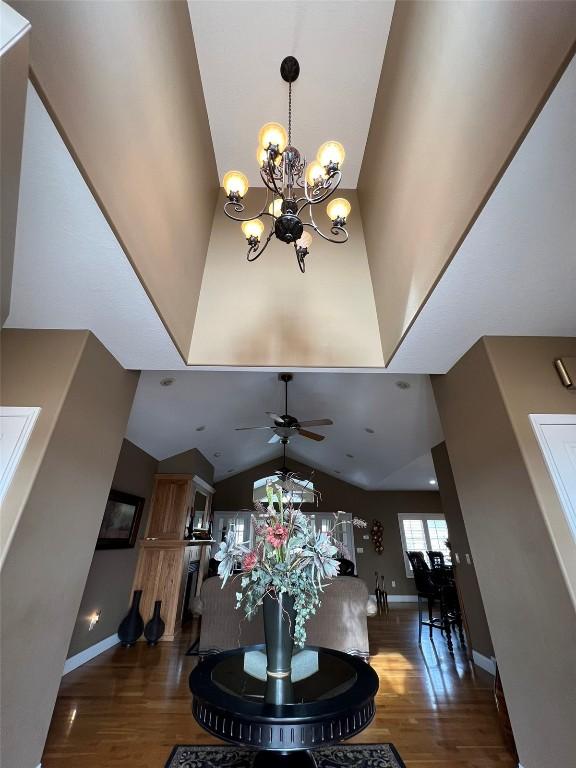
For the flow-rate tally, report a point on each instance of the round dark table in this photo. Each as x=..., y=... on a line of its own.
x=333, y=700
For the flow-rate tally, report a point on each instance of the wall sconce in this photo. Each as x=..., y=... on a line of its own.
x=567, y=379
x=93, y=619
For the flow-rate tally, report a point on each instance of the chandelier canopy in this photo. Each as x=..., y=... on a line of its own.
x=292, y=187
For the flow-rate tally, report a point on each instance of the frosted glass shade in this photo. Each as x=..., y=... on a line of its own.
x=314, y=172
x=331, y=152
x=338, y=208
x=253, y=228
x=275, y=208
x=235, y=182
x=273, y=133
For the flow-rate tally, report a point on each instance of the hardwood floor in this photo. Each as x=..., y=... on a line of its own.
x=129, y=707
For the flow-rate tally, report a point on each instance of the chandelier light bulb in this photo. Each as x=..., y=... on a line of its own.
x=253, y=228
x=305, y=241
x=275, y=208
x=331, y=153
x=314, y=173
x=338, y=209
x=273, y=134
x=235, y=183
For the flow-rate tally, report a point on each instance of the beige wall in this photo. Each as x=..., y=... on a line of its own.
x=14, y=34
x=191, y=462
x=61, y=486
x=122, y=83
x=235, y=493
x=514, y=525
x=109, y=583
x=268, y=313
x=460, y=84
x=476, y=624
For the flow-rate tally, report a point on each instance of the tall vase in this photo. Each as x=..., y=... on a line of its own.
x=132, y=624
x=154, y=630
x=279, y=623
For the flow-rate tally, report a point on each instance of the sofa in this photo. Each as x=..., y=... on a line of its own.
x=340, y=621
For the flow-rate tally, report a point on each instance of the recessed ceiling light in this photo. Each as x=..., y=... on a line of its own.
x=217, y=455
x=403, y=385
x=167, y=382
x=369, y=430
x=350, y=455
x=200, y=429
x=431, y=481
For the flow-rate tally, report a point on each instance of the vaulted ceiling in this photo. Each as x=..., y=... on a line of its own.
x=117, y=230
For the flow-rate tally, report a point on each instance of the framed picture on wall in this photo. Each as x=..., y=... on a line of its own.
x=121, y=521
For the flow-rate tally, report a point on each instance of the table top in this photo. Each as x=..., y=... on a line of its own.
x=330, y=697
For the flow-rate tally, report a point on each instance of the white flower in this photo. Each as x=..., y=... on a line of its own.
x=357, y=522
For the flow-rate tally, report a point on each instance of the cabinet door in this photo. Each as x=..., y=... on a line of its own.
x=170, y=505
x=159, y=575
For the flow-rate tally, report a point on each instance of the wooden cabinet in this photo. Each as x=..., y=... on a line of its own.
x=165, y=556
x=171, y=506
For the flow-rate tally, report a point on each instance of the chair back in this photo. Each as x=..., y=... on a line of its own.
x=422, y=576
x=346, y=567
x=439, y=573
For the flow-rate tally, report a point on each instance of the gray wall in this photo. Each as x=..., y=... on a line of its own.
x=518, y=536
x=235, y=493
x=61, y=489
x=188, y=463
x=471, y=599
x=109, y=583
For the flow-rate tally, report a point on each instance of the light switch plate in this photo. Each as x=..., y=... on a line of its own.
x=366, y=537
x=360, y=550
x=457, y=558
x=468, y=558
x=393, y=584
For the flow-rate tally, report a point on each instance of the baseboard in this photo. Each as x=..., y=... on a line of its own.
x=485, y=663
x=400, y=598
x=89, y=653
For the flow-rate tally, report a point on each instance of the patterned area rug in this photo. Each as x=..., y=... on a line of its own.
x=341, y=756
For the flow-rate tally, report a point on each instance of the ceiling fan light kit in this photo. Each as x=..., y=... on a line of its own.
x=285, y=175
x=288, y=426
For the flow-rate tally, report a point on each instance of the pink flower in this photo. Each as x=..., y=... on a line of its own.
x=249, y=560
x=276, y=535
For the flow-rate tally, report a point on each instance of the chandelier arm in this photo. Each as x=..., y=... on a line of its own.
x=335, y=230
x=300, y=260
x=272, y=177
x=327, y=185
x=239, y=207
x=258, y=251
x=266, y=179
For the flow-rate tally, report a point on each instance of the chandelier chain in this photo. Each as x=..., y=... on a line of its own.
x=290, y=114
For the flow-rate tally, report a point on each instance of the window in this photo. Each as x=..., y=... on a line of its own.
x=303, y=489
x=423, y=533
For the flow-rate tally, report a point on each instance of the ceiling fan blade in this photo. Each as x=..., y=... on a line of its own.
x=311, y=435
x=241, y=429
x=317, y=423
x=275, y=439
x=275, y=417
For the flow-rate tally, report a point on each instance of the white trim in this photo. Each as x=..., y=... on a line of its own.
x=488, y=665
x=12, y=452
x=416, y=516
x=400, y=598
x=538, y=420
x=203, y=485
x=89, y=653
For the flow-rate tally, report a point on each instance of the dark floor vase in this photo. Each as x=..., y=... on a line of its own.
x=279, y=623
x=132, y=624
x=154, y=630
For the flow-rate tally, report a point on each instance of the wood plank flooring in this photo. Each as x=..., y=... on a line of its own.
x=129, y=707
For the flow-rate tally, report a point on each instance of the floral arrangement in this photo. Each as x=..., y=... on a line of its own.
x=288, y=556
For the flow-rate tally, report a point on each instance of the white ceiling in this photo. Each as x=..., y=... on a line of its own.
x=164, y=421
x=340, y=47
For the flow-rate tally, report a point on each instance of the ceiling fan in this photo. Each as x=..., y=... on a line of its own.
x=286, y=426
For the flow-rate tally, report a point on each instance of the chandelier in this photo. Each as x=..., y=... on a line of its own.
x=292, y=187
